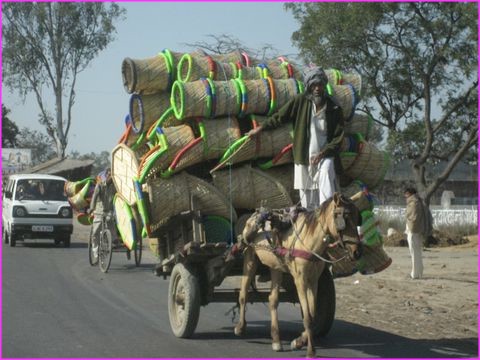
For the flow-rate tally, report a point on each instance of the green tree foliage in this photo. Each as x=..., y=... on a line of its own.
x=418, y=62
x=42, y=146
x=9, y=129
x=45, y=46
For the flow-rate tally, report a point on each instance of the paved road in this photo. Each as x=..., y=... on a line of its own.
x=55, y=305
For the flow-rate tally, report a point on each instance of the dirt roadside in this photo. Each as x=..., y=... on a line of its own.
x=442, y=305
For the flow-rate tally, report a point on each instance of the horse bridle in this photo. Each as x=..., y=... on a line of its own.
x=339, y=214
x=339, y=242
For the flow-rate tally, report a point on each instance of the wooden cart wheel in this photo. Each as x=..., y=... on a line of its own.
x=183, y=301
x=326, y=303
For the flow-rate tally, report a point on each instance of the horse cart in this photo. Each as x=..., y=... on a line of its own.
x=195, y=252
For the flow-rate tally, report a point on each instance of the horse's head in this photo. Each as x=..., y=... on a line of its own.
x=342, y=222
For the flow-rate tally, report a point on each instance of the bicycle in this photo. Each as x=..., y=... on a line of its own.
x=107, y=245
x=103, y=257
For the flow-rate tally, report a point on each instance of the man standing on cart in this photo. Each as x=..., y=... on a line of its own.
x=317, y=134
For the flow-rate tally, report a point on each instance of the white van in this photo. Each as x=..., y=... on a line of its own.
x=35, y=207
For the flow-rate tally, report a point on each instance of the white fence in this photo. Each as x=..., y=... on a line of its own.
x=457, y=216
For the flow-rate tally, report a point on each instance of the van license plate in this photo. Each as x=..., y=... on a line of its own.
x=42, y=228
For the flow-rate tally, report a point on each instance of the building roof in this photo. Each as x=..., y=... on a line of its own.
x=71, y=169
x=59, y=165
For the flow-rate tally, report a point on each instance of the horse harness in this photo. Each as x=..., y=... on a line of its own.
x=281, y=220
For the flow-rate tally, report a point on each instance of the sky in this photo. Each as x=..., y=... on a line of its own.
x=149, y=27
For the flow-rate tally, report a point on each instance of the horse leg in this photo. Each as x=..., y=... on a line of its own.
x=307, y=336
x=273, y=303
x=249, y=268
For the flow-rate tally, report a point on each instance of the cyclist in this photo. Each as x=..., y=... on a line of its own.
x=102, y=205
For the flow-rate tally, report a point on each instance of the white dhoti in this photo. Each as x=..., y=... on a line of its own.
x=415, y=245
x=316, y=183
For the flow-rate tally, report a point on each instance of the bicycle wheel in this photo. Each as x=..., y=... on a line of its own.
x=138, y=252
x=92, y=256
x=105, y=250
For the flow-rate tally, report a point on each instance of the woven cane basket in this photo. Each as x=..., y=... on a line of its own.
x=128, y=224
x=334, y=76
x=146, y=109
x=284, y=174
x=249, y=72
x=369, y=166
x=349, y=144
x=369, y=231
x=257, y=96
x=147, y=76
x=285, y=156
x=337, y=77
x=348, y=159
x=345, y=96
x=193, y=67
x=220, y=134
x=169, y=197
x=225, y=71
x=71, y=188
x=191, y=99
x=373, y=260
x=353, y=188
x=160, y=157
x=173, y=58
x=278, y=69
x=167, y=119
x=124, y=169
x=362, y=201
x=353, y=79
x=283, y=91
x=266, y=144
x=80, y=201
x=249, y=188
x=360, y=124
x=234, y=56
x=227, y=98
x=342, y=265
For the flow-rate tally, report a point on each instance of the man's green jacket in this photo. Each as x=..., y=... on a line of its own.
x=298, y=111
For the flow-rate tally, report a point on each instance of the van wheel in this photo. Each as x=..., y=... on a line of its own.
x=5, y=235
x=66, y=241
x=12, y=239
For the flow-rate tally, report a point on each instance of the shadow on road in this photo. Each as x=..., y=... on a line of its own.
x=346, y=337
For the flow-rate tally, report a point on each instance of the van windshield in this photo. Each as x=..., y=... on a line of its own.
x=40, y=189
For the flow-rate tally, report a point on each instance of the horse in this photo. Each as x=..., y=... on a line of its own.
x=301, y=252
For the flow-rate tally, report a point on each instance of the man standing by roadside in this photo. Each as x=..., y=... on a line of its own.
x=416, y=225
